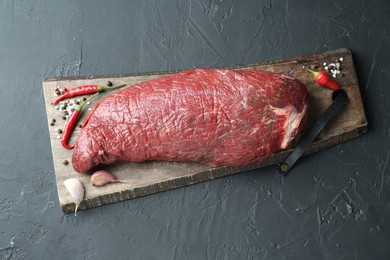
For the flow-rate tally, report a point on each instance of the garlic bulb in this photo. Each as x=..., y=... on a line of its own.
x=76, y=190
x=101, y=178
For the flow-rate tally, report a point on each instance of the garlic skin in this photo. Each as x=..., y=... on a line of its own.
x=102, y=177
x=75, y=189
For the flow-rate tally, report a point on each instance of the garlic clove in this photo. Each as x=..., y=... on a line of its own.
x=102, y=177
x=75, y=189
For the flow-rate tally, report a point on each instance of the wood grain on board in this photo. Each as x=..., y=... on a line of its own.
x=151, y=177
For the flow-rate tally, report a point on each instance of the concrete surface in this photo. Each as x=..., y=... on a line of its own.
x=334, y=205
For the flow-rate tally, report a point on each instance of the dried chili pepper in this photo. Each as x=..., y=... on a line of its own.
x=324, y=80
x=71, y=124
x=84, y=90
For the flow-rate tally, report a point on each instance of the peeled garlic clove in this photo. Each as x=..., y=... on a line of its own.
x=76, y=190
x=101, y=178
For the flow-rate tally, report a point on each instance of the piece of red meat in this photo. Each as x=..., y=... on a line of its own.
x=213, y=116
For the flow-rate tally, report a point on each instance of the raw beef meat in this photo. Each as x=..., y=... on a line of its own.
x=213, y=116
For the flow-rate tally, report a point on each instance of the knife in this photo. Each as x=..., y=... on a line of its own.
x=340, y=98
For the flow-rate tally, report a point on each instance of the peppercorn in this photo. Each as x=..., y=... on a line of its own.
x=51, y=124
x=65, y=162
x=59, y=131
x=64, y=117
x=109, y=83
x=53, y=120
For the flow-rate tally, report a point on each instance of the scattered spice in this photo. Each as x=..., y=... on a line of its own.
x=334, y=68
x=68, y=107
x=59, y=91
x=65, y=162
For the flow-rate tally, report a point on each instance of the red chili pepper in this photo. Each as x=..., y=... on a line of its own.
x=84, y=90
x=324, y=80
x=71, y=124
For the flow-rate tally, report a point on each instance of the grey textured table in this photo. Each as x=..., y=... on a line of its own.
x=335, y=203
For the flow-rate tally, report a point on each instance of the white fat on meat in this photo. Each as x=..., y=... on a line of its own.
x=293, y=120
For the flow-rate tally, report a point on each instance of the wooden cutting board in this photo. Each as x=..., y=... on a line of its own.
x=151, y=177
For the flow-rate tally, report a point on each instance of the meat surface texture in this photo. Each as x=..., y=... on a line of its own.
x=213, y=116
